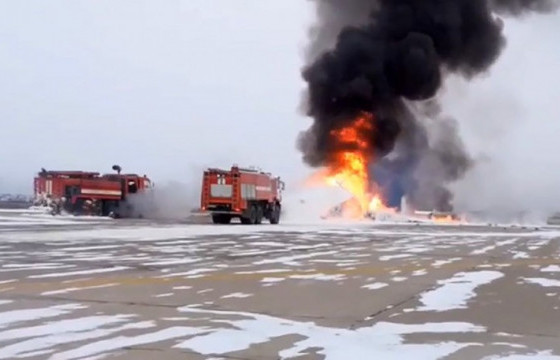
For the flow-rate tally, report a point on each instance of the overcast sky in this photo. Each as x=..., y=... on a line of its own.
x=155, y=86
x=168, y=87
x=510, y=119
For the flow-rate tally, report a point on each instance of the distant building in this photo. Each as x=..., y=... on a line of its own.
x=11, y=201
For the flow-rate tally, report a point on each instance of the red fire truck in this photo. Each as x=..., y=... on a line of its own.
x=248, y=194
x=80, y=192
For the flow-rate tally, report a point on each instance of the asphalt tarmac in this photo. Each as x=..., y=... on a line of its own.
x=103, y=289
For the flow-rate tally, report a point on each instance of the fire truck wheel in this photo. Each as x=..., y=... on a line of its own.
x=275, y=215
x=260, y=215
x=221, y=219
x=253, y=215
x=252, y=218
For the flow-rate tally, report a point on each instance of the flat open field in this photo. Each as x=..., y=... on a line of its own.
x=104, y=289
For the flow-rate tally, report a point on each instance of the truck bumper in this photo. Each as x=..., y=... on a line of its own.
x=223, y=208
x=233, y=213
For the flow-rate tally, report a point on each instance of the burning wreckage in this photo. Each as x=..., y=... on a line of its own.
x=374, y=70
x=350, y=209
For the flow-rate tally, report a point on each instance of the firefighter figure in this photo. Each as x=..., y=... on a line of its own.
x=56, y=207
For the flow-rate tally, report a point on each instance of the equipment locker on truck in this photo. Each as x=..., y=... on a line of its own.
x=248, y=194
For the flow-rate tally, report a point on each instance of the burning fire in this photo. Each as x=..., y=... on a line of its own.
x=448, y=219
x=348, y=168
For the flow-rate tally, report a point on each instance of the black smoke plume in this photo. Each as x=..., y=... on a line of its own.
x=519, y=7
x=389, y=58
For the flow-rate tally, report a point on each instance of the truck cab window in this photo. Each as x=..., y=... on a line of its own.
x=132, y=187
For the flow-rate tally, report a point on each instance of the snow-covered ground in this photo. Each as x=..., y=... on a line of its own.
x=91, y=288
x=21, y=218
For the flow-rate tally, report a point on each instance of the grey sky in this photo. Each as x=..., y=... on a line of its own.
x=510, y=120
x=168, y=87
x=157, y=86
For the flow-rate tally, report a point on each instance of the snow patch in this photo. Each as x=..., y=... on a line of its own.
x=82, y=272
x=120, y=342
x=68, y=290
x=439, y=263
x=383, y=340
x=551, y=268
x=484, y=250
x=543, y=282
x=191, y=273
x=16, y=316
x=171, y=262
x=272, y=280
x=163, y=295
x=543, y=355
x=320, y=277
x=454, y=293
x=374, y=286
x=392, y=257
x=521, y=255
x=266, y=271
x=291, y=260
x=237, y=295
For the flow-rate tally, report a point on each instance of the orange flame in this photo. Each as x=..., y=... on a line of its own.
x=348, y=168
x=448, y=219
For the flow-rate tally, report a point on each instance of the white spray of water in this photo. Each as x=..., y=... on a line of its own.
x=303, y=203
x=171, y=200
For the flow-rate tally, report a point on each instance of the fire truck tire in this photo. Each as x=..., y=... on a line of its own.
x=260, y=214
x=252, y=218
x=221, y=219
x=275, y=215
